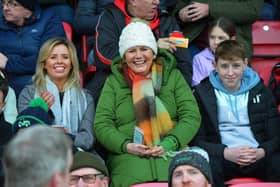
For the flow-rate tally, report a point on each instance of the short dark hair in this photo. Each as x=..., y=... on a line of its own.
x=4, y=86
x=230, y=50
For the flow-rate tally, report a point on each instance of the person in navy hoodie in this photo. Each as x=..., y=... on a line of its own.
x=23, y=29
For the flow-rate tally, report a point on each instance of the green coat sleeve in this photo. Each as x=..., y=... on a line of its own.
x=104, y=124
x=187, y=112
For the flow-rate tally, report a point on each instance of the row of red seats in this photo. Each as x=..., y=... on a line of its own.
x=266, y=46
x=244, y=184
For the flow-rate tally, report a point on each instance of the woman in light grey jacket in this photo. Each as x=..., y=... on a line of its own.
x=56, y=80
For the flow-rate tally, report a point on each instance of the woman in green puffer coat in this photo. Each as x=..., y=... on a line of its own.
x=146, y=110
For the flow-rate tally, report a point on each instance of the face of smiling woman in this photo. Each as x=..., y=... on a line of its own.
x=58, y=64
x=139, y=59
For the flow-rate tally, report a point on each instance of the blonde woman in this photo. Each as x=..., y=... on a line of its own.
x=56, y=81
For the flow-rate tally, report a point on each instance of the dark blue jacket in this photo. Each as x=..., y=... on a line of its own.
x=21, y=44
x=87, y=14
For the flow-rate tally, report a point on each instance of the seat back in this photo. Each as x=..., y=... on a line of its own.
x=257, y=184
x=151, y=184
x=266, y=38
x=68, y=30
x=90, y=69
x=69, y=35
x=241, y=180
x=263, y=67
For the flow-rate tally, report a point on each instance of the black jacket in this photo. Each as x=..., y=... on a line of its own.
x=263, y=116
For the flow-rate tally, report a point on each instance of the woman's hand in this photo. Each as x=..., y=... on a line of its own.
x=48, y=98
x=193, y=12
x=167, y=44
x=156, y=151
x=137, y=149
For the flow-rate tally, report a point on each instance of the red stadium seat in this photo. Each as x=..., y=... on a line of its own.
x=258, y=184
x=241, y=181
x=69, y=34
x=68, y=30
x=266, y=48
x=90, y=70
x=263, y=67
x=266, y=40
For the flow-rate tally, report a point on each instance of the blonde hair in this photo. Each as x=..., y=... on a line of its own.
x=39, y=78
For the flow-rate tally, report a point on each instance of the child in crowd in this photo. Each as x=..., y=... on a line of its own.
x=219, y=30
x=240, y=121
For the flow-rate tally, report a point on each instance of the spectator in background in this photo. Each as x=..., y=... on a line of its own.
x=36, y=113
x=87, y=14
x=10, y=107
x=190, y=168
x=146, y=110
x=277, y=14
x=115, y=18
x=88, y=170
x=56, y=81
x=85, y=20
x=60, y=8
x=5, y=126
x=240, y=121
x=167, y=5
x=38, y=156
x=195, y=15
x=23, y=29
x=269, y=10
x=219, y=30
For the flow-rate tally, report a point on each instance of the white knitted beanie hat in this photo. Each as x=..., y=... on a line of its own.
x=137, y=34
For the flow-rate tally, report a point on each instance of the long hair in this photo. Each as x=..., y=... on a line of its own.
x=225, y=24
x=39, y=78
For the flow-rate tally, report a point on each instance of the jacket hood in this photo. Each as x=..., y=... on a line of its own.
x=168, y=60
x=249, y=80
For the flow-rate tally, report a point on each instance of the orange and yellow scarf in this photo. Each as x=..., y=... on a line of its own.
x=151, y=115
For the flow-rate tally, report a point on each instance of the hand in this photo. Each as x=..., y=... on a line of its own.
x=260, y=153
x=244, y=156
x=137, y=149
x=3, y=61
x=166, y=43
x=48, y=98
x=248, y=155
x=194, y=12
x=232, y=154
x=251, y=155
x=156, y=151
